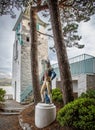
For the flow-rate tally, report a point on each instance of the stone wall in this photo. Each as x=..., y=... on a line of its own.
x=16, y=72
x=91, y=81
x=79, y=84
x=21, y=73
x=26, y=78
x=42, y=50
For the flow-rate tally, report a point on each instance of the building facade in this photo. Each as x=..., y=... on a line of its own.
x=21, y=70
x=83, y=73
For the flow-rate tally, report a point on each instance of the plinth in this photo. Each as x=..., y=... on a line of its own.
x=45, y=114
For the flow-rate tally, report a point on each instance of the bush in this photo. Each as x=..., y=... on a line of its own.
x=2, y=94
x=79, y=114
x=57, y=95
x=89, y=94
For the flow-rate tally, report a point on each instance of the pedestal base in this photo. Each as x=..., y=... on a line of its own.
x=45, y=114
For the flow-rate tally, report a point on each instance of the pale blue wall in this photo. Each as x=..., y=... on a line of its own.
x=83, y=64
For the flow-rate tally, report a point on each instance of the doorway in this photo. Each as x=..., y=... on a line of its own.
x=15, y=90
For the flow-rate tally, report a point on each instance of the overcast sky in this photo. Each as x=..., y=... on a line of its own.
x=7, y=36
x=87, y=31
x=6, y=43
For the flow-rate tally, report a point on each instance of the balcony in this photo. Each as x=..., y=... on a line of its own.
x=82, y=64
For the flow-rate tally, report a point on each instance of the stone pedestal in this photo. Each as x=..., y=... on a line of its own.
x=45, y=114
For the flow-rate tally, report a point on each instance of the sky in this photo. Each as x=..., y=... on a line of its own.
x=87, y=31
x=7, y=36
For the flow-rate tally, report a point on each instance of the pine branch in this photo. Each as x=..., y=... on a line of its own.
x=45, y=34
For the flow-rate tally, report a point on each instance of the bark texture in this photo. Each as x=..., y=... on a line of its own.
x=65, y=74
x=34, y=57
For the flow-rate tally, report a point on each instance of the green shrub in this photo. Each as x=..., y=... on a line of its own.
x=57, y=95
x=89, y=94
x=2, y=94
x=79, y=114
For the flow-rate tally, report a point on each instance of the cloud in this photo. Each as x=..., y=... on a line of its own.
x=87, y=30
x=6, y=42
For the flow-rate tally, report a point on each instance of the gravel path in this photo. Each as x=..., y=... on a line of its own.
x=9, y=122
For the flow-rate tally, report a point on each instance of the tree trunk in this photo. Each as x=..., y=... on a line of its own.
x=64, y=68
x=34, y=57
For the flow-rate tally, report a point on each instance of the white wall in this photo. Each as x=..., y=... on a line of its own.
x=82, y=84
x=9, y=91
x=75, y=86
x=54, y=83
x=16, y=73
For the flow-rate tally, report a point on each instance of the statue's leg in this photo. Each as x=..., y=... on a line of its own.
x=47, y=99
x=49, y=91
x=42, y=91
x=50, y=87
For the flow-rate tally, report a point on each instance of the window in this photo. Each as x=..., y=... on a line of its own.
x=27, y=39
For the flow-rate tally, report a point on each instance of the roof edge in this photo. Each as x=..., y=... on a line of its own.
x=18, y=21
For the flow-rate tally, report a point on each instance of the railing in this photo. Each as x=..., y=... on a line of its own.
x=83, y=67
x=86, y=66
x=80, y=58
x=25, y=93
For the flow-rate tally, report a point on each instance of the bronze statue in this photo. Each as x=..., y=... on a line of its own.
x=46, y=89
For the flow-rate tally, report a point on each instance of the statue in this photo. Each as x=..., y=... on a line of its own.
x=46, y=89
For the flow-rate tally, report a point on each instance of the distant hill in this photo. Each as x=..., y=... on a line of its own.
x=5, y=81
x=4, y=75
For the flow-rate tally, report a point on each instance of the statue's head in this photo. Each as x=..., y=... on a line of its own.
x=46, y=64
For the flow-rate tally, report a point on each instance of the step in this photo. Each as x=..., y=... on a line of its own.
x=12, y=109
x=9, y=113
x=26, y=102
